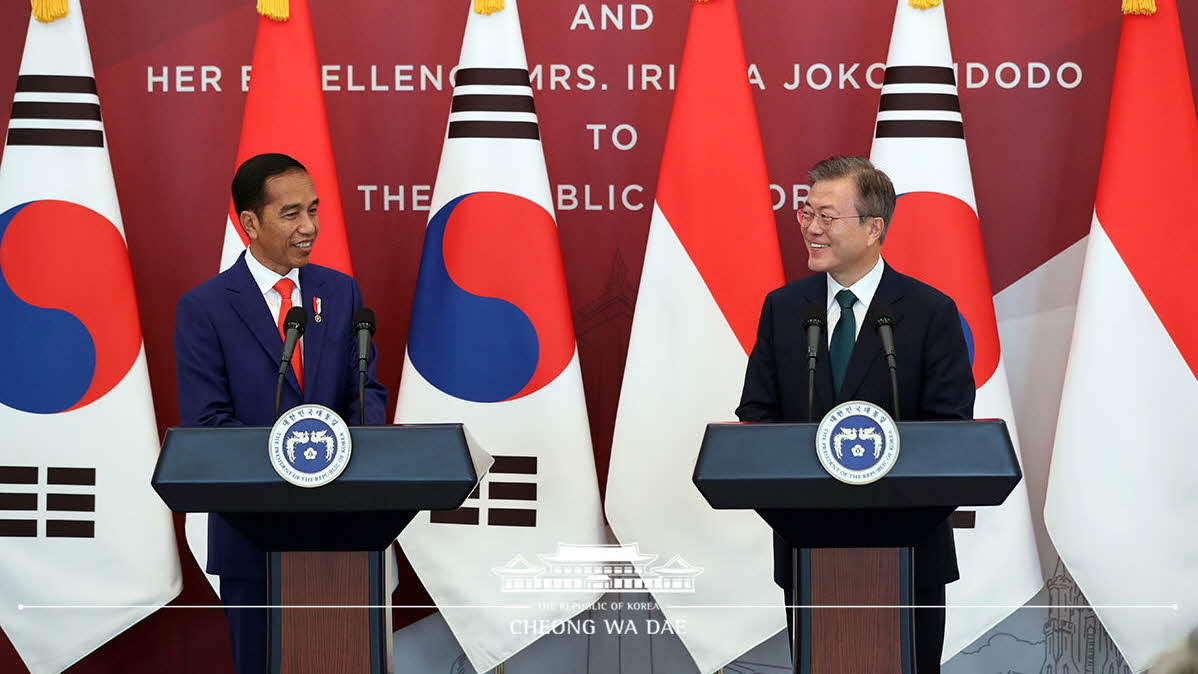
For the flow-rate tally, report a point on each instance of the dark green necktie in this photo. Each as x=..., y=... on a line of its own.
x=843, y=336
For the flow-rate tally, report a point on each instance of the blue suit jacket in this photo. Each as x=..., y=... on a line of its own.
x=934, y=375
x=227, y=350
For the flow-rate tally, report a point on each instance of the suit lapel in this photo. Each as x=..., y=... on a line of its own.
x=314, y=336
x=250, y=306
x=867, y=350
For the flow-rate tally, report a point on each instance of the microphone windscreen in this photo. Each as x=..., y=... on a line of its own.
x=813, y=314
x=364, y=318
x=884, y=316
x=297, y=319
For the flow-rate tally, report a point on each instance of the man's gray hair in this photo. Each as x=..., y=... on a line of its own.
x=875, y=192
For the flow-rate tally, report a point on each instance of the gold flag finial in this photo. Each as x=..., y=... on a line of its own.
x=488, y=6
x=924, y=4
x=1146, y=7
x=49, y=10
x=275, y=10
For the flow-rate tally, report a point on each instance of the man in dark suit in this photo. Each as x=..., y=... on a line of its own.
x=228, y=342
x=844, y=223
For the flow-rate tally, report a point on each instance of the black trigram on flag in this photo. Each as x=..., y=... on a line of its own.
x=512, y=480
x=68, y=510
x=493, y=103
x=919, y=102
x=56, y=110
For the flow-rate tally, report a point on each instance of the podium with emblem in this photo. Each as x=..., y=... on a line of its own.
x=854, y=505
x=325, y=515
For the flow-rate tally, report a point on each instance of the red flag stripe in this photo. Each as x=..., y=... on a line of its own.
x=1149, y=174
x=713, y=188
x=284, y=112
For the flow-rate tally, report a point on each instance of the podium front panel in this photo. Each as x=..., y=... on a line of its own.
x=941, y=464
x=393, y=468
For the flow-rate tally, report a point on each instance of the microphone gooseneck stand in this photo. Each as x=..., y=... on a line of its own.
x=814, y=326
x=364, y=326
x=885, y=327
x=293, y=328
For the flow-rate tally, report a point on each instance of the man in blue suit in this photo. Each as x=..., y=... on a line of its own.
x=228, y=342
x=844, y=223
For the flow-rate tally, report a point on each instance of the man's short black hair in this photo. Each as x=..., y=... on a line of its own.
x=249, y=183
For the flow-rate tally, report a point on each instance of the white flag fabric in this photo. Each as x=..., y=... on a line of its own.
x=711, y=258
x=919, y=141
x=492, y=345
x=1123, y=490
x=81, y=524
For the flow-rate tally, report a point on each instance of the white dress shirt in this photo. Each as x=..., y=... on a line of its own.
x=864, y=289
x=266, y=280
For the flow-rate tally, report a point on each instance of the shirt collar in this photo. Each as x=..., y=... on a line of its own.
x=265, y=278
x=864, y=288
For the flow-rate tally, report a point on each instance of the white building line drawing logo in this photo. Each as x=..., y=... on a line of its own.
x=608, y=568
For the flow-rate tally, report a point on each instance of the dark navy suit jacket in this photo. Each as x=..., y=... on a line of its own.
x=934, y=375
x=227, y=350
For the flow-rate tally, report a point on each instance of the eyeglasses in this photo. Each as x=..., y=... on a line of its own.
x=807, y=217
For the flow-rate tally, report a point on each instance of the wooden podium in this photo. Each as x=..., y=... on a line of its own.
x=326, y=542
x=855, y=541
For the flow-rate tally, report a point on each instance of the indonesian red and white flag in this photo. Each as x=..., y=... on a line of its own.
x=87, y=549
x=919, y=141
x=1123, y=488
x=492, y=345
x=284, y=112
x=711, y=258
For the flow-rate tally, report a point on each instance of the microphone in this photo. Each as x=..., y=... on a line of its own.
x=364, y=325
x=294, y=324
x=813, y=323
x=884, y=324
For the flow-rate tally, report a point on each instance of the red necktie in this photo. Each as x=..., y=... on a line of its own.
x=284, y=288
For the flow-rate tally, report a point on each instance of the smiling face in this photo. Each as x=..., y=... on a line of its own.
x=846, y=248
x=281, y=237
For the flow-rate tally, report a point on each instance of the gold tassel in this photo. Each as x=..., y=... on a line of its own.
x=923, y=4
x=49, y=10
x=1146, y=7
x=275, y=10
x=488, y=7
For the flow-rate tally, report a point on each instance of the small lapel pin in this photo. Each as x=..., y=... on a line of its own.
x=316, y=308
